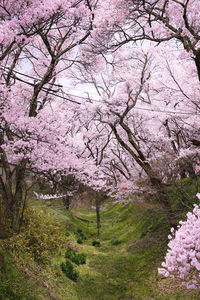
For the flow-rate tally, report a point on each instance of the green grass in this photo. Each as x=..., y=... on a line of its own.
x=122, y=271
x=14, y=285
x=133, y=242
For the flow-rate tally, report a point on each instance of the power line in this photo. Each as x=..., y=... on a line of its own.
x=168, y=111
x=44, y=88
x=52, y=92
x=31, y=77
x=36, y=79
x=73, y=89
x=49, y=91
x=143, y=108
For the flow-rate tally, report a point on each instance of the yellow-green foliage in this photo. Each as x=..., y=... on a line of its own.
x=40, y=236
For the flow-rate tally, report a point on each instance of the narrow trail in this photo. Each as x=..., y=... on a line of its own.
x=133, y=242
x=122, y=266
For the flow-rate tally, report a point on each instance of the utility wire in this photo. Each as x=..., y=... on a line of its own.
x=168, y=111
x=53, y=84
x=140, y=108
x=52, y=92
x=49, y=91
x=28, y=76
x=37, y=80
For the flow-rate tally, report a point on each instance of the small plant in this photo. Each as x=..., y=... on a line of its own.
x=80, y=259
x=67, y=233
x=70, y=254
x=77, y=258
x=80, y=241
x=68, y=270
x=96, y=244
x=115, y=242
x=81, y=235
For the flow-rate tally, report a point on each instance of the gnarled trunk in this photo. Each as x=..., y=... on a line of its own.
x=12, y=200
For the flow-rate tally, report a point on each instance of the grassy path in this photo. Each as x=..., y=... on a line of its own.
x=133, y=242
x=128, y=257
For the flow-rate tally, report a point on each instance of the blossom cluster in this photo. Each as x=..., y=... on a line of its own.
x=183, y=256
x=47, y=196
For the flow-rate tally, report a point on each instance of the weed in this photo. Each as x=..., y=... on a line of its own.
x=77, y=258
x=96, y=244
x=80, y=259
x=81, y=235
x=70, y=254
x=115, y=242
x=68, y=270
x=79, y=241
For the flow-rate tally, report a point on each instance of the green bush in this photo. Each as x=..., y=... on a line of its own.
x=96, y=243
x=79, y=241
x=81, y=235
x=80, y=259
x=77, y=258
x=70, y=254
x=115, y=242
x=68, y=270
x=40, y=236
x=67, y=233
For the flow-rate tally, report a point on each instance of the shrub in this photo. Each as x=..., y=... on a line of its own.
x=79, y=241
x=115, y=242
x=70, y=254
x=67, y=233
x=77, y=258
x=79, y=231
x=81, y=235
x=80, y=259
x=40, y=236
x=96, y=243
x=68, y=270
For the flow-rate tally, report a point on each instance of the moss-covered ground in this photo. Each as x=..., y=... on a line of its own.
x=133, y=242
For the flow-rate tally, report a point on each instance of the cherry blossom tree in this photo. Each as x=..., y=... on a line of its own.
x=120, y=90
x=39, y=41
x=182, y=258
x=144, y=101
x=107, y=142
x=181, y=92
x=164, y=21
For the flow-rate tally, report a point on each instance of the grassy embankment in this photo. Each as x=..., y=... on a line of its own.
x=133, y=243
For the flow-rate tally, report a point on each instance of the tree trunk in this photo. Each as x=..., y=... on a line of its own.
x=197, y=62
x=18, y=201
x=66, y=201
x=164, y=198
x=98, y=213
x=12, y=201
x=187, y=170
x=18, y=197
